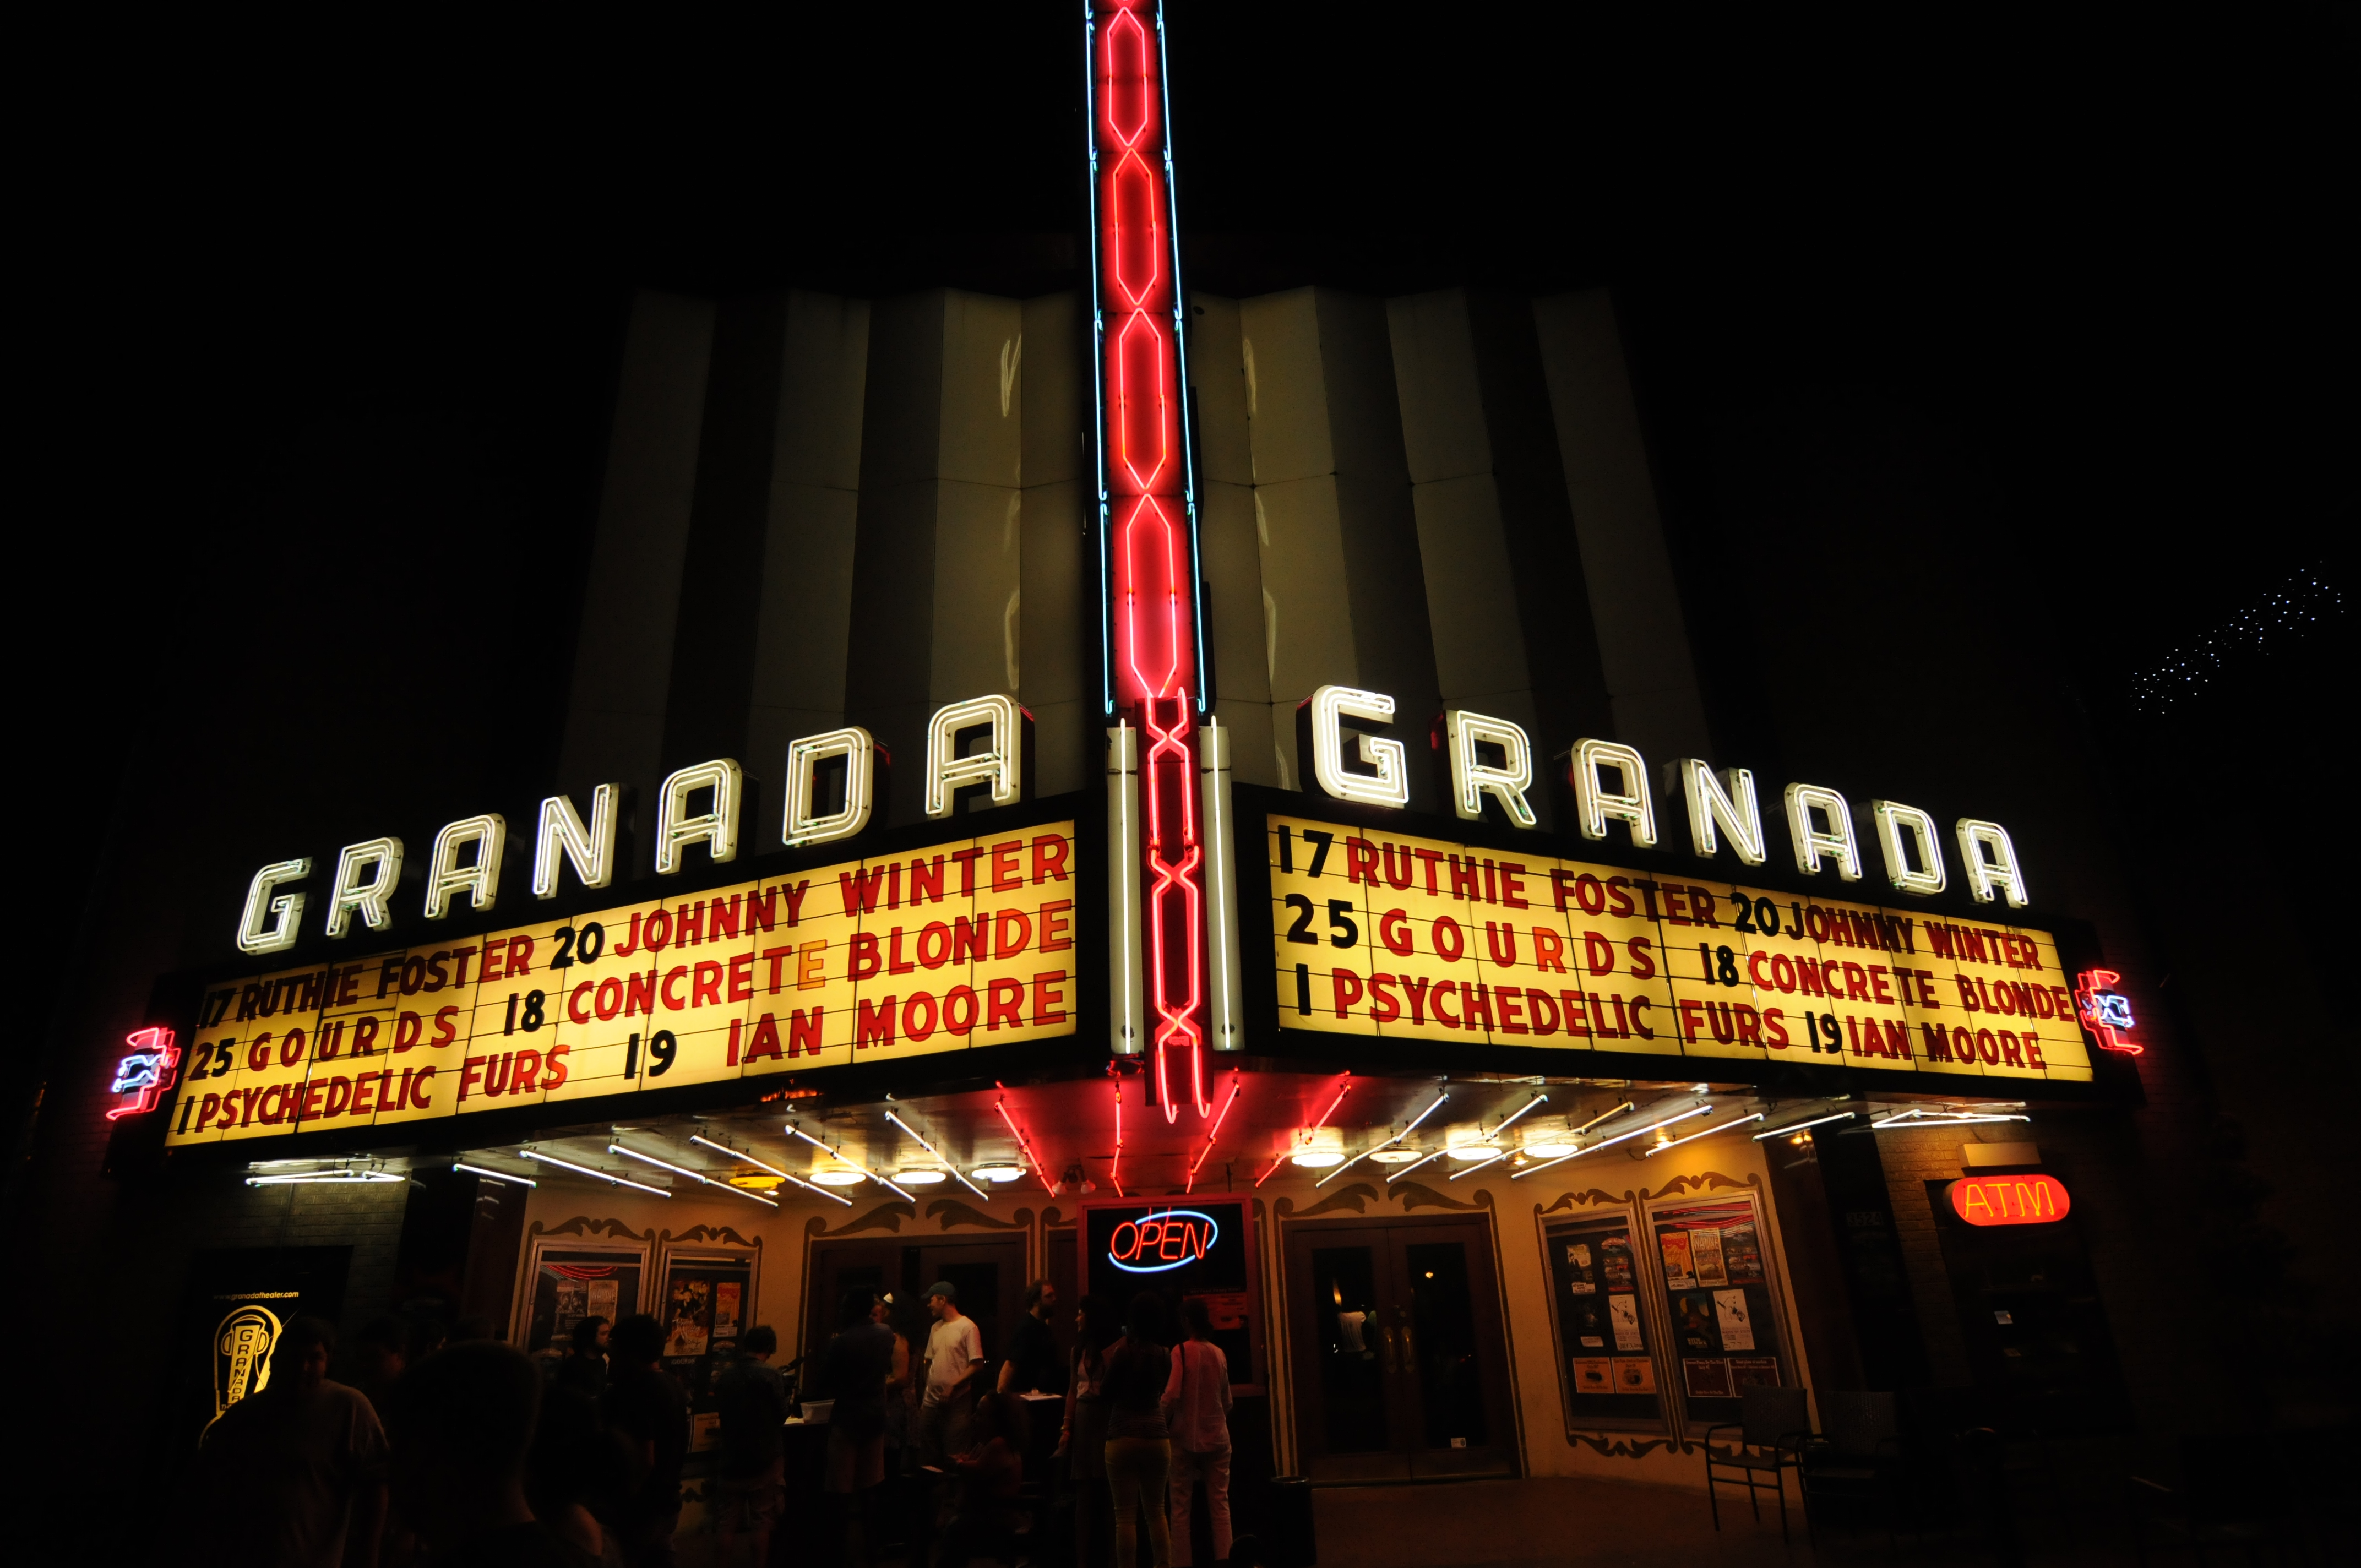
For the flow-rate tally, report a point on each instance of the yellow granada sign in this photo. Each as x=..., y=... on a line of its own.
x=1378, y=934
x=959, y=946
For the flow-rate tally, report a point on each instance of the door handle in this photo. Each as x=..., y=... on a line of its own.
x=1392, y=1351
x=1409, y=1352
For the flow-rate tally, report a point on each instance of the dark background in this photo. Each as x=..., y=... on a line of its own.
x=318, y=358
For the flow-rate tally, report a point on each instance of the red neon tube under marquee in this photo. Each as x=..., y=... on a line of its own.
x=1148, y=547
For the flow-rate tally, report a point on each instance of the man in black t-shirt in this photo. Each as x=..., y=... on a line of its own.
x=1033, y=1364
x=646, y=1406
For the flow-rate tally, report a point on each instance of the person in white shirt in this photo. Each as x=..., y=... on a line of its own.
x=954, y=1351
x=1196, y=1409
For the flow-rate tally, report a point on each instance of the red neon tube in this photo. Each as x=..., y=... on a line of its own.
x=1191, y=1184
x=1147, y=511
x=1342, y=1089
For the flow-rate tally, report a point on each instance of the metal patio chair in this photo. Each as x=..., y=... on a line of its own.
x=1853, y=1461
x=1772, y=1432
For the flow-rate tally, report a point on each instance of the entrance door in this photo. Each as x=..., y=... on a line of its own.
x=1399, y=1367
x=988, y=1272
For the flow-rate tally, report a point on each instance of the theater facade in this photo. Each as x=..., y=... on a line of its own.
x=1219, y=795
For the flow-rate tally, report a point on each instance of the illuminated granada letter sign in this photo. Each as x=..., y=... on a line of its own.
x=2009, y=1200
x=1155, y=1244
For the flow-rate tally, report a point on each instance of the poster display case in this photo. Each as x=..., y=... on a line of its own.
x=569, y=1279
x=1713, y=1259
x=1606, y=1362
x=706, y=1305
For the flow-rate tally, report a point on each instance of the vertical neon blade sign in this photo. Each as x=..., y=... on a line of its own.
x=1147, y=534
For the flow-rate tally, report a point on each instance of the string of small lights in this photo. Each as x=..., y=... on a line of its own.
x=2295, y=609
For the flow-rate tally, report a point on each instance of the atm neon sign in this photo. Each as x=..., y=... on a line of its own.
x=2009, y=1200
x=1156, y=1244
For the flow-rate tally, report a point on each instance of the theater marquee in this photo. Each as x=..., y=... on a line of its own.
x=960, y=945
x=1381, y=934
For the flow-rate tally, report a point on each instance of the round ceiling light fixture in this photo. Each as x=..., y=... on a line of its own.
x=837, y=1176
x=929, y=1177
x=1002, y=1172
x=1317, y=1159
x=1397, y=1156
x=1474, y=1151
x=1557, y=1145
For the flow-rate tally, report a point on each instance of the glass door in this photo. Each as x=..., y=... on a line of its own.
x=1401, y=1370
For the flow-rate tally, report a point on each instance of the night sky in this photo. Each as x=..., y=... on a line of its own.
x=323, y=324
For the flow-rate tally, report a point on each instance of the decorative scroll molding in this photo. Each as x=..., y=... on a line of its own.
x=1257, y=1211
x=1051, y=1220
x=885, y=1217
x=955, y=1212
x=1705, y=1183
x=1625, y=1447
x=1592, y=1195
x=721, y=1236
x=586, y=1227
x=1416, y=1195
x=1358, y=1197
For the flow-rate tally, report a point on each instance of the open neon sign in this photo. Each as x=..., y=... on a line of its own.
x=1158, y=1244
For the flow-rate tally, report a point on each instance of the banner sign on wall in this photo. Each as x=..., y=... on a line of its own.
x=960, y=945
x=1381, y=934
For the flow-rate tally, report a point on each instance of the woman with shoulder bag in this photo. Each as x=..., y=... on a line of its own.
x=1138, y=1450
x=1197, y=1409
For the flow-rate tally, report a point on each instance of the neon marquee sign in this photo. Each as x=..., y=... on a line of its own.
x=1147, y=511
x=2106, y=1012
x=1159, y=1243
x=144, y=1074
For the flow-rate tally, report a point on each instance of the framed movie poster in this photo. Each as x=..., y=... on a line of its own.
x=568, y=1278
x=1603, y=1332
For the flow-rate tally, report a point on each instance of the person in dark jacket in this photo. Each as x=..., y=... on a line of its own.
x=854, y=1371
x=464, y=1424
x=647, y=1407
x=585, y=1366
x=753, y=1472
x=1138, y=1447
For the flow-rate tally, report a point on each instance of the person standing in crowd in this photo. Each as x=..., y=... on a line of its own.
x=464, y=1424
x=293, y=1475
x=1083, y=1442
x=1197, y=1412
x=901, y=1410
x=954, y=1350
x=1031, y=1367
x=577, y=1471
x=646, y=1406
x=854, y=1371
x=380, y=1351
x=986, y=1516
x=753, y=1476
x=1138, y=1448
x=585, y=1366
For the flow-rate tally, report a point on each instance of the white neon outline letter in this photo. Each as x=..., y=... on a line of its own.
x=717, y=827
x=1725, y=800
x=1892, y=817
x=1811, y=843
x=348, y=893
x=1472, y=780
x=2002, y=871
x=1632, y=803
x=1001, y=763
x=1330, y=706
x=859, y=749
x=481, y=880
x=590, y=850
x=286, y=909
